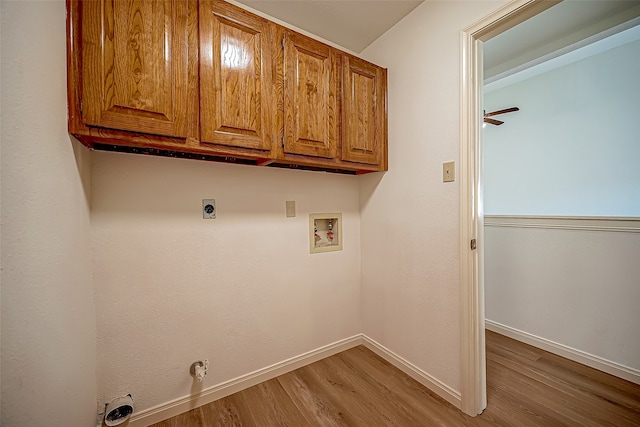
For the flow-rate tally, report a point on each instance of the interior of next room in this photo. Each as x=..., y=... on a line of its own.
x=255, y=213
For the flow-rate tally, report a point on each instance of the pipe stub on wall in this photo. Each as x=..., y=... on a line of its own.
x=118, y=411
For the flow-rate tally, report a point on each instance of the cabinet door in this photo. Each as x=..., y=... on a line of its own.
x=235, y=77
x=135, y=67
x=363, y=112
x=310, y=106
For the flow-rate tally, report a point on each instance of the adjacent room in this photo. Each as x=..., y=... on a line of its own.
x=562, y=195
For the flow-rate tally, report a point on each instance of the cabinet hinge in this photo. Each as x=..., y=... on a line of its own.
x=473, y=244
x=81, y=107
x=282, y=141
x=282, y=43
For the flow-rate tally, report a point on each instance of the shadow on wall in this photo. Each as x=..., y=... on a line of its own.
x=141, y=186
x=83, y=163
x=368, y=185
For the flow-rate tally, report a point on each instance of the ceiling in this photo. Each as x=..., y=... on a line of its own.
x=565, y=24
x=352, y=24
x=355, y=24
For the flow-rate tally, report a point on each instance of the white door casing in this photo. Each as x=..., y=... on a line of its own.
x=473, y=389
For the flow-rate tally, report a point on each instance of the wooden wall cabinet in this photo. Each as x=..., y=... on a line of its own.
x=136, y=64
x=310, y=97
x=207, y=79
x=364, y=124
x=235, y=77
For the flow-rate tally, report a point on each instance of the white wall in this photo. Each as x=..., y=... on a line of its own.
x=241, y=290
x=409, y=217
x=572, y=149
x=48, y=313
x=579, y=289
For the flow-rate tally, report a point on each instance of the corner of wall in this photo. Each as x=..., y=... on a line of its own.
x=48, y=309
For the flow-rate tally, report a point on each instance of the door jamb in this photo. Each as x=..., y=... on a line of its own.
x=473, y=389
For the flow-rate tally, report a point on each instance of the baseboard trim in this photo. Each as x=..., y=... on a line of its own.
x=210, y=394
x=433, y=384
x=579, y=356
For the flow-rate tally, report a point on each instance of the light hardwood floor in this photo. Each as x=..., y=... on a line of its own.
x=526, y=386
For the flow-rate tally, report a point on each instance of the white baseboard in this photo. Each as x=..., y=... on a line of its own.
x=210, y=394
x=579, y=356
x=433, y=384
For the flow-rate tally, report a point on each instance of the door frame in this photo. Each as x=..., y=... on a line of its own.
x=473, y=388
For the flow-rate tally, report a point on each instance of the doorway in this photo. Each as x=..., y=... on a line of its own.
x=473, y=374
x=473, y=385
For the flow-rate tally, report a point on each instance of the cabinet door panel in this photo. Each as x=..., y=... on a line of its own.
x=136, y=64
x=310, y=81
x=235, y=80
x=363, y=122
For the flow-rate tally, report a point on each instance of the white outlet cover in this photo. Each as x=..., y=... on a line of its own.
x=208, y=208
x=448, y=172
x=291, y=208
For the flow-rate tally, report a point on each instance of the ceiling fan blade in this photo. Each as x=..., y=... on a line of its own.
x=493, y=121
x=507, y=110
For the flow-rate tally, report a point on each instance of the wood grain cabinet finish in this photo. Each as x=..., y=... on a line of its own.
x=363, y=112
x=235, y=77
x=310, y=104
x=208, y=79
x=135, y=60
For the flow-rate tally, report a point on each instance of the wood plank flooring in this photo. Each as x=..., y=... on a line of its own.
x=526, y=386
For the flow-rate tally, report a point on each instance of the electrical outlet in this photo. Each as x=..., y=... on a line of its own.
x=448, y=172
x=208, y=208
x=291, y=208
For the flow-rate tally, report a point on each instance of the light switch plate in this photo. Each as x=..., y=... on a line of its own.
x=208, y=208
x=449, y=172
x=291, y=208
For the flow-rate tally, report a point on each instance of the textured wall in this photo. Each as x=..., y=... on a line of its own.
x=572, y=149
x=409, y=217
x=241, y=290
x=580, y=289
x=48, y=313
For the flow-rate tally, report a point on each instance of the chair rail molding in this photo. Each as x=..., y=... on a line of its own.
x=583, y=223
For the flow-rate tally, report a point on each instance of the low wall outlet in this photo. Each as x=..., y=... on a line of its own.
x=208, y=208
